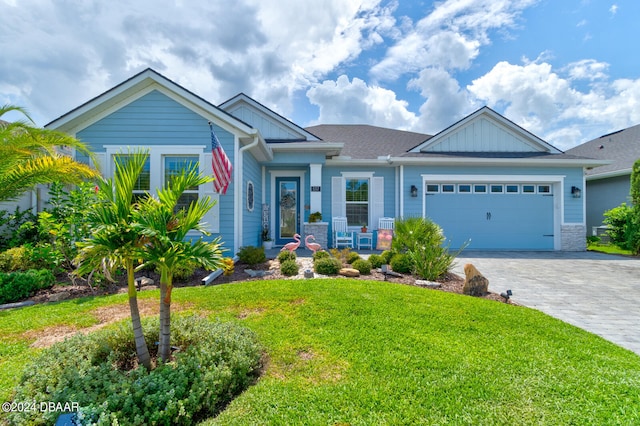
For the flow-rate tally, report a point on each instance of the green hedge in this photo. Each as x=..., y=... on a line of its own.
x=216, y=361
x=16, y=286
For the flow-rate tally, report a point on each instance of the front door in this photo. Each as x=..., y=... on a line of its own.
x=287, y=209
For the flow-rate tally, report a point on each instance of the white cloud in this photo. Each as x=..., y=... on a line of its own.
x=587, y=69
x=354, y=102
x=545, y=103
x=613, y=9
x=268, y=49
x=449, y=37
x=445, y=101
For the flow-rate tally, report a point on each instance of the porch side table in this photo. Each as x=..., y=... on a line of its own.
x=365, y=239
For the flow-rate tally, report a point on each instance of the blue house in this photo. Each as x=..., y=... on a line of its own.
x=483, y=179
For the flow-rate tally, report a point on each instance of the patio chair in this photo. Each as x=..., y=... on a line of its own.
x=386, y=223
x=341, y=234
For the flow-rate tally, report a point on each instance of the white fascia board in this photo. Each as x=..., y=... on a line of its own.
x=498, y=161
x=327, y=147
x=611, y=174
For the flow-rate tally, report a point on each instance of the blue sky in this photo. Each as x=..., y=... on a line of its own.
x=564, y=70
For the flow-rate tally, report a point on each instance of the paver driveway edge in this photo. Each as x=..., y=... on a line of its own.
x=597, y=292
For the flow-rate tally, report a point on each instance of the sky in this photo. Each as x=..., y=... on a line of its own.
x=567, y=71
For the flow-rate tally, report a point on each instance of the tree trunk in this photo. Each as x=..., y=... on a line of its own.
x=141, y=345
x=164, y=350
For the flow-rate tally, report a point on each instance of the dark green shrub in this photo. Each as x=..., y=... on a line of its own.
x=430, y=263
x=376, y=260
x=46, y=256
x=16, y=286
x=215, y=362
x=320, y=255
x=412, y=232
x=327, y=266
x=362, y=265
x=386, y=257
x=352, y=257
x=286, y=255
x=401, y=263
x=252, y=255
x=289, y=267
x=17, y=228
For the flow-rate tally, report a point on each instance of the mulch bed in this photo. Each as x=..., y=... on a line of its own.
x=451, y=283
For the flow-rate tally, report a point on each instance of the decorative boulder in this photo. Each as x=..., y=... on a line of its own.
x=475, y=284
x=349, y=272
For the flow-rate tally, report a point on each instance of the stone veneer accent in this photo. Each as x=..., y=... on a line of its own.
x=319, y=230
x=573, y=238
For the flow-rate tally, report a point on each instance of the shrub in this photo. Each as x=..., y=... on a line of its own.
x=15, y=259
x=252, y=255
x=341, y=255
x=430, y=263
x=228, y=266
x=376, y=260
x=289, y=267
x=215, y=362
x=16, y=286
x=286, y=255
x=401, y=263
x=17, y=228
x=47, y=256
x=362, y=265
x=184, y=270
x=386, y=257
x=415, y=232
x=352, y=257
x=320, y=255
x=327, y=265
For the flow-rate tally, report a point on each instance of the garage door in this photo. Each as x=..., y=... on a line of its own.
x=498, y=216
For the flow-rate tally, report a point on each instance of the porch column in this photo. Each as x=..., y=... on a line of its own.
x=315, y=181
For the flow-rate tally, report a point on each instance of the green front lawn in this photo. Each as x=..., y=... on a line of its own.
x=608, y=248
x=361, y=352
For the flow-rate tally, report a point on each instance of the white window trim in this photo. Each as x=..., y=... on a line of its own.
x=156, y=164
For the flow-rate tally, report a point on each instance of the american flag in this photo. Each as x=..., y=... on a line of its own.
x=221, y=165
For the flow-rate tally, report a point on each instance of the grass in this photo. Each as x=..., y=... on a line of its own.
x=362, y=352
x=608, y=249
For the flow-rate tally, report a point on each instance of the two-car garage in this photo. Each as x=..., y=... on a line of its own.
x=493, y=214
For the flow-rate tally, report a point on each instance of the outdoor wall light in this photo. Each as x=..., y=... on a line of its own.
x=414, y=191
x=576, y=192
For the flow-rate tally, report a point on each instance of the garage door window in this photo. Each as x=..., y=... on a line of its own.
x=497, y=189
x=464, y=188
x=544, y=189
x=432, y=189
x=480, y=189
x=528, y=189
x=494, y=188
x=448, y=188
x=512, y=189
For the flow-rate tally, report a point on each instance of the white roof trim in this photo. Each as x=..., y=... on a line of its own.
x=136, y=87
x=272, y=115
x=528, y=137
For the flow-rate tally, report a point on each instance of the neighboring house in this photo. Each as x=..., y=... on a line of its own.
x=483, y=179
x=608, y=186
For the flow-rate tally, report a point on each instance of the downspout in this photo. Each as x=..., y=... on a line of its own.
x=401, y=189
x=238, y=234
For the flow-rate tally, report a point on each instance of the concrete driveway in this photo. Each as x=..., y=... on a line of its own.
x=596, y=292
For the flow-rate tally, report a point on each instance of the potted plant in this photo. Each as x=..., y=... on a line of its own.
x=267, y=242
x=315, y=217
x=364, y=228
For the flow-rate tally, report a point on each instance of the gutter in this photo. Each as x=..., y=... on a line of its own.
x=237, y=233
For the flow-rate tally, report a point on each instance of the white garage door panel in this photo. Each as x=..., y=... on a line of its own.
x=494, y=221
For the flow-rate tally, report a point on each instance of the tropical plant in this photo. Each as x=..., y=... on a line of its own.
x=114, y=243
x=30, y=156
x=165, y=228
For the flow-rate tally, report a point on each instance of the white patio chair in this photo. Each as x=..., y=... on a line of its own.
x=386, y=223
x=341, y=234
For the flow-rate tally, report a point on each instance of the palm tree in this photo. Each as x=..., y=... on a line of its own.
x=167, y=247
x=114, y=243
x=29, y=156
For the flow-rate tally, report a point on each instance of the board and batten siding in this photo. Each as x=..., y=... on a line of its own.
x=251, y=220
x=156, y=120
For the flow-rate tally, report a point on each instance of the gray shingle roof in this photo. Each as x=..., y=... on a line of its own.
x=363, y=141
x=622, y=147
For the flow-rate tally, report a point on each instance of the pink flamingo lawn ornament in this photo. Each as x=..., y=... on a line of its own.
x=292, y=245
x=314, y=247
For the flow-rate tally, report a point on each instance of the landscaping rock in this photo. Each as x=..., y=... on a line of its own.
x=253, y=273
x=429, y=284
x=475, y=284
x=349, y=272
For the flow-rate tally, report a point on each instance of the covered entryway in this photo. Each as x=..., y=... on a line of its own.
x=493, y=215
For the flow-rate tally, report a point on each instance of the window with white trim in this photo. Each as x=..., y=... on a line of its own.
x=173, y=166
x=357, y=201
x=143, y=183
